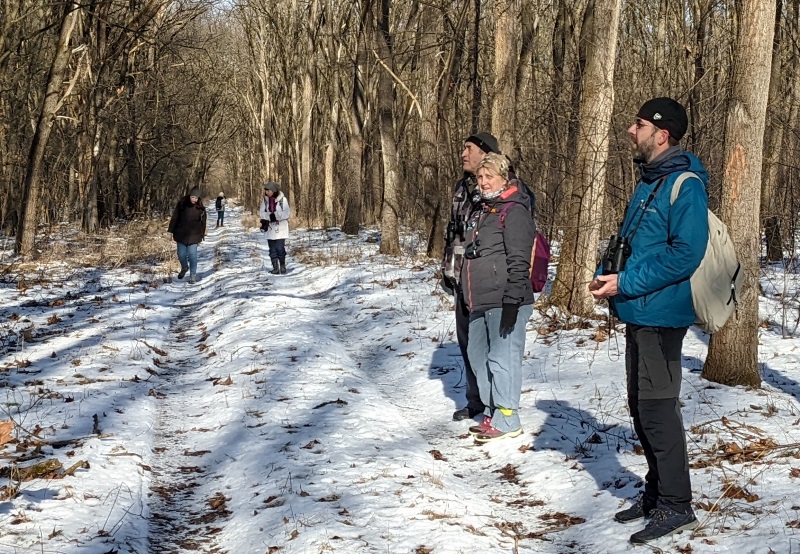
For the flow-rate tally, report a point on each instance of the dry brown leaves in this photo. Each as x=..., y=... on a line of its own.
x=6, y=432
x=732, y=453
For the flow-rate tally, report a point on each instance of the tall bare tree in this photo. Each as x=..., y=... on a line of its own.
x=733, y=352
x=53, y=99
x=577, y=263
x=773, y=139
x=390, y=211
x=506, y=58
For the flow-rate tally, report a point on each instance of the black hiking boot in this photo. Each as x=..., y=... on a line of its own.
x=275, y=267
x=465, y=413
x=664, y=522
x=640, y=509
x=182, y=273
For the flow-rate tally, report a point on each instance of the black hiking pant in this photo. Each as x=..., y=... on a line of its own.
x=462, y=335
x=653, y=369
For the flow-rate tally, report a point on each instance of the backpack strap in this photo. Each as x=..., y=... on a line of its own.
x=676, y=186
x=503, y=213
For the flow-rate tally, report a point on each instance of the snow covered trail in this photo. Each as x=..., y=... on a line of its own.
x=311, y=412
x=315, y=422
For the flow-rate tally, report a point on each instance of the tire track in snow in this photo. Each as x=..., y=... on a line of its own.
x=185, y=515
x=176, y=511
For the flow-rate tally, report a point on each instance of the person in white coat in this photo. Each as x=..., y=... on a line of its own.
x=274, y=214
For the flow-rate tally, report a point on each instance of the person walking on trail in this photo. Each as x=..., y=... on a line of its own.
x=188, y=228
x=465, y=200
x=645, y=277
x=274, y=213
x=220, y=206
x=496, y=285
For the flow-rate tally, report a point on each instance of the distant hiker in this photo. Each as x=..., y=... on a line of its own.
x=274, y=214
x=495, y=278
x=465, y=200
x=220, y=205
x=645, y=277
x=188, y=227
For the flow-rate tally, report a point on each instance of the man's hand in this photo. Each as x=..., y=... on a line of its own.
x=604, y=286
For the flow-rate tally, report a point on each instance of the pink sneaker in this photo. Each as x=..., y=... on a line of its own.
x=484, y=426
x=493, y=434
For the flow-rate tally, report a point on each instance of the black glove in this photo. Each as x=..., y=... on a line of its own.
x=272, y=218
x=264, y=225
x=508, y=318
x=447, y=285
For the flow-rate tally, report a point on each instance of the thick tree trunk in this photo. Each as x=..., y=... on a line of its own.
x=733, y=352
x=26, y=233
x=506, y=59
x=578, y=254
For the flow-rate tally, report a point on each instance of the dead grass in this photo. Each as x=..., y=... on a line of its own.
x=336, y=254
x=137, y=243
x=250, y=221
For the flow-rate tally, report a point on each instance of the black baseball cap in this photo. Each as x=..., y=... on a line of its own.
x=665, y=113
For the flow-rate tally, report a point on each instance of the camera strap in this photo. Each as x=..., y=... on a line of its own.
x=644, y=209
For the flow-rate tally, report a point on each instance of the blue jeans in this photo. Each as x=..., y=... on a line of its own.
x=188, y=251
x=221, y=217
x=277, y=249
x=497, y=363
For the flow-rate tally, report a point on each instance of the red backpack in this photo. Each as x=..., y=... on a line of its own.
x=540, y=254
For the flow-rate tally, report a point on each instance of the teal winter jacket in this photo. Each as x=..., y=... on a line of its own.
x=667, y=246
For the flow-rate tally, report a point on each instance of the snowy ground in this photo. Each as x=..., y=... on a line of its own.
x=311, y=413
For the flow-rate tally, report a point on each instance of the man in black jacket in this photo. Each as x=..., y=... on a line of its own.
x=475, y=148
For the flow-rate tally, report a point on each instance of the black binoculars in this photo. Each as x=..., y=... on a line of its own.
x=617, y=253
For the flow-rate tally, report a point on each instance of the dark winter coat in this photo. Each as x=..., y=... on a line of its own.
x=188, y=223
x=497, y=256
x=464, y=202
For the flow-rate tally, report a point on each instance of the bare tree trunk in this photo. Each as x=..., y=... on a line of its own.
x=90, y=221
x=428, y=139
x=773, y=139
x=506, y=58
x=307, y=114
x=474, y=74
x=353, y=215
x=556, y=128
x=390, y=212
x=26, y=233
x=330, y=153
x=733, y=352
x=578, y=258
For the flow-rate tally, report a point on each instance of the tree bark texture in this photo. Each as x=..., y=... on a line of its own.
x=506, y=58
x=390, y=210
x=26, y=233
x=578, y=260
x=733, y=352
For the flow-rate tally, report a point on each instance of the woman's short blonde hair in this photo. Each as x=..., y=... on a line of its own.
x=496, y=163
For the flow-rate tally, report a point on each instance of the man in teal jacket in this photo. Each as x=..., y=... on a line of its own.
x=651, y=293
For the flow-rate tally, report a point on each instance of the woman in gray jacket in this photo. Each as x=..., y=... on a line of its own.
x=495, y=277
